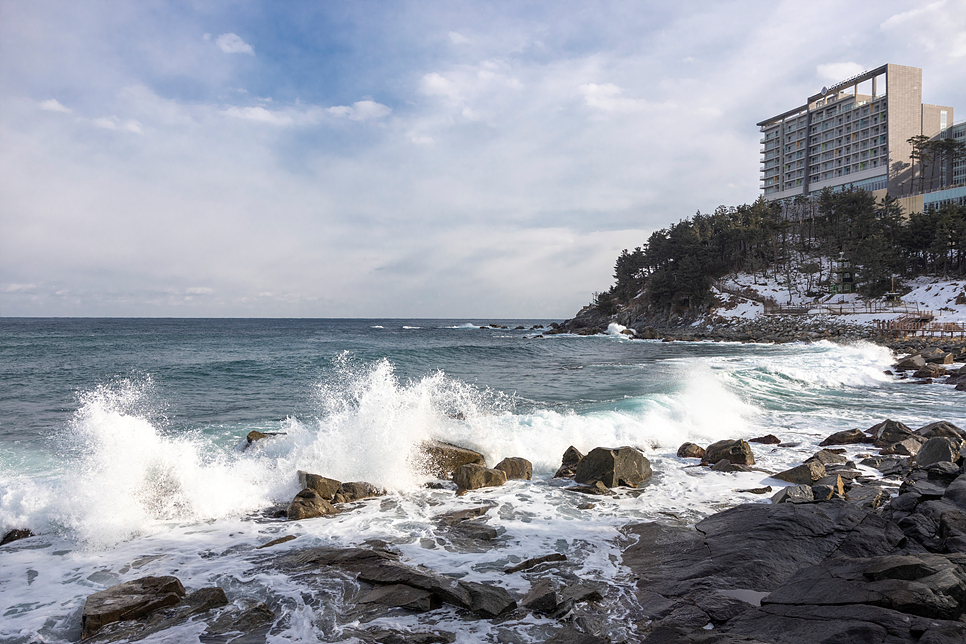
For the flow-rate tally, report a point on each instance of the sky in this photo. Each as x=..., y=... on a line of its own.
x=397, y=159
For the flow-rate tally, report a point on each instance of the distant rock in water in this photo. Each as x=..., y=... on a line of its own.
x=613, y=467
x=356, y=491
x=441, y=459
x=846, y=437
x=473, y=477
x=516, y=468
x=309, y=504
x=256, y=435
x=326, y=487
x=690, y=450
x=769, y=439
x=130, y=600
x=737, y=451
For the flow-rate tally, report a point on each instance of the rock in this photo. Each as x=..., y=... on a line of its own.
x=756, y=490
x=536, y=561
x=355, y=491
x=541, y=598
x=275, y=542
x=475, y=530
x=201, y=600
x=440, y=459
x=822, y=492
x=516, y=468
x=835, y=482
x=690, y=450
x=255, y=435
x=724, y=465
x=15, y=535
x=597, y=488
x=931, y=370
x=826, y=457
x=130, y=600
x=326, y=488
x=867, y=497
x=474, y=477
x=937, y=356
x=736, y=451
x=256, y=617
x=770, y=439
x=888, y=432
x=568, y=464
x=794, y=494
x=613, y=467
x=402, y=596
x=846, y=437
x=939, y=449
x=307, y=504
x=906, y=447
x=941, y=428
x=804, y=474
x=452, y=518
x=911, y=363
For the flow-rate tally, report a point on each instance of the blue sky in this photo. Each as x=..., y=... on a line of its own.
x=396, y=159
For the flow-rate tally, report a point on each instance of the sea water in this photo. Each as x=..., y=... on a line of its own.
x=122, y=448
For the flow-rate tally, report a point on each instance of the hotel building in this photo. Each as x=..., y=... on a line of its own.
x=855, y=133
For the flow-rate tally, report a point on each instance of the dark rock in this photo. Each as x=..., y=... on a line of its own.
x=937, y=356
x=769, y=439
x=542, y=597
x=15, y=535
x=613, y=467
x=440, y=459
x=250, y=620
x=822, y=492
x=794, y=494
x=736, y=451
x=307, y=504
x=847, y=437
x=326, y=488
x=939, y=449
x=516, y=468
x=724, y=465
x=474, y=477
x=941, y=428
x=202, y=600
x=275, y=542
x=835, y=482
x=452, y=518
x=475, y=530
x=867, y=497
x=355, y=491
x=911, y=363
x=757, y=490
x=598, y=488
x=690, y=450
x=931, y=370
x=826, y=457
x=130, y=600
x=255, y=435
x=908, y=446
x=888, y=432
x=804, y=474
x=402, y=596
x=568, y=464
x=536, y=561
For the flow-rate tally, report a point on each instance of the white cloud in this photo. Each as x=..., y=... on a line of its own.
x=199, y=290
x=53, y=105
x=114, y=123
x=457, y=38
x=232, y=44
x=835, y=72
x=939, y=27
x=361, y=111
x=435, y=84
x=610, y=98
x=260, y=115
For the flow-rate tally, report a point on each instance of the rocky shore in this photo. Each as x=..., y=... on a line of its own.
x=837, y=556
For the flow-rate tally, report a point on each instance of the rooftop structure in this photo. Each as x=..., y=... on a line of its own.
x=856, y=133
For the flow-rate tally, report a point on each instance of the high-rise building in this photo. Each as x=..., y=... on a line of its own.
x=856, y=133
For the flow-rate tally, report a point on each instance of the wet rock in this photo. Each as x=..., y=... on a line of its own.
x=941, y=428
x=568, y=463
x=888, y=432
x=542, y=597
x=867, y=497
x=402, y=596
x=250, y=620
x=931, y=370
x=255, y=435
x=202, y=600
x=835, y=482
x=911, y=363
x=736, y=451
x=769, y=439
x=822, y=492
x=613, y=467
x=307, y=504
x=724, y=465
x=516, y=468
x=475, y=530
x=939, y=449
x=597, y=488
x=536, y=561
x=128, y=601
x=757, y=490
x=440, y=459
x=326, y=487
x=826, y=457
x=938, y=356
x=804, y=474
x=474, y=477
x=690, y=450
x=906, y=447
x=452, y=518
x=846, y=437
x=794, y=494
x=410, y=637
x=275, y=542
x=356, y=491
x=15, y=535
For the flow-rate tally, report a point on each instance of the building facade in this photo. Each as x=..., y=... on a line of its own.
x=856, y=133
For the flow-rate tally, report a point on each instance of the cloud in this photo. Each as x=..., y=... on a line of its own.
x=835, y=72
x=365, y=110
x=361, y=111
x=232, y=44
x=608, y=97
x=260, y=115
x=199, y=290
x=114, y=123
x=457, y=38
x=939, y=27
x=53, y=105
x=435, y=84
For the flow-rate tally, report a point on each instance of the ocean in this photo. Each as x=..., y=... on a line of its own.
x=122, y=448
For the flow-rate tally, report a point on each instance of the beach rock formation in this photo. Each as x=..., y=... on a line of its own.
x=356, y=490
x=690, y=450
x=474, y=477
x=847, y=437
x=613, y=467
x=516, y=468
x=737, y=451
x=15, y=535
x=804, y=474
x=325, y=487
x=440, y=459
x=309, y=504
x=128, y=601
x=940, y=449
x=768, y=439
x=568, y=463
x=888, y=432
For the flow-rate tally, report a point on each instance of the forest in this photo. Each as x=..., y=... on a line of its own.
x=677, y=265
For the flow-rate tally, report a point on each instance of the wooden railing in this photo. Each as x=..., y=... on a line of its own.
x=909, y=326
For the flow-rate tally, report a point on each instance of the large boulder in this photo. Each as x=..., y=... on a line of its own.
x=690, y=450
x=911, y=363
x=440, y=459
x=355, y=491
x=804, y=474
x=737, y=451
x=931, y=370
x=613, y=467
x=888, y=432
x=309, y=504
x=941, y=428
x=568, y=463
x=846, y=437
x=130, y=600
x=937, y=356
x=939, y=449
x=908, y=446
x=474, y=477
x=324, y=486
x=827, y=457
x=516, y=468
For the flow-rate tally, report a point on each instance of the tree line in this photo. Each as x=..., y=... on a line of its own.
x=677, y=265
